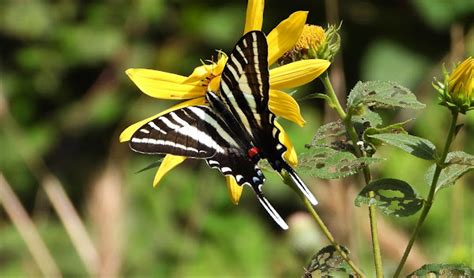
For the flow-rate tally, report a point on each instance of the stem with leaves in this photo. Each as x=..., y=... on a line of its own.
x=440, y=165
x=323, y=226
x=330, y=237
x=334, y=103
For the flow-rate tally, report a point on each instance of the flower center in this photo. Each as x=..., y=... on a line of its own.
x=311, y=42
x=311, y=37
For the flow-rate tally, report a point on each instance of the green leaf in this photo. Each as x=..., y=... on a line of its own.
x=413, y=145
x=460, y=158
x=313, y=96
x=392, y=196
x=382, y=94
x=443, y=270
x=328, y=133
x=368, y=117
x=326, y=261
x=393, y=128
x=327, y=163
x=150, y=166
x=459, y=163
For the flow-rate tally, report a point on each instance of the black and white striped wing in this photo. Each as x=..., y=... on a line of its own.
x=245, y=82
x=245, y=90
x=194, y=131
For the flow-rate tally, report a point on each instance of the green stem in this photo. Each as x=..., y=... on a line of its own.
x=347, y=120
x=329, y=236
x=322, y=226
x=429, y=201
x=375, y=238
x=332, y=96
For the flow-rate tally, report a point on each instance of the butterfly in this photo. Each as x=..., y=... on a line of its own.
x=234, y=131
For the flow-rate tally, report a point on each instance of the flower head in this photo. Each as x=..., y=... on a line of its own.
x=311, y=39
x=193, y=88
x=314, y=42
x=457, y=91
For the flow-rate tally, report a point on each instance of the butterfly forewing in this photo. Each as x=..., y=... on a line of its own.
x=245, y=82
x=245, y=90
x=192, y=131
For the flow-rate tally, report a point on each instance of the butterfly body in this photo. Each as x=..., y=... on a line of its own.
x=235, y=131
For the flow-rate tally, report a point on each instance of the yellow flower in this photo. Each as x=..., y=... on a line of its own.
x=457, y=90
x=460, y=85
x=192, y=88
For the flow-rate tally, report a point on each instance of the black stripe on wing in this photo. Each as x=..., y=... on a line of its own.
x=194, y=131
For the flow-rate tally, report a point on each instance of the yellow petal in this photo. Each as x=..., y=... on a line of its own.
x=283, y=37
x=297, y=73
x=168, y=163
x=285, y=106
x=199, y=73
x=235, y=190
x=129, y=131
x=254, y=17
x=208, y=71
x=290, y=155
x=214, y=84
x=165, y=85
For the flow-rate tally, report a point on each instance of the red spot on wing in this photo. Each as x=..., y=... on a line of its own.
x=253, y=152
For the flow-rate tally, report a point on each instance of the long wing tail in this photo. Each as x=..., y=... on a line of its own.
x=301, y=185
x=269, y=208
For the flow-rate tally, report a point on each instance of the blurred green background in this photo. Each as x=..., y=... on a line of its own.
x=64, y=99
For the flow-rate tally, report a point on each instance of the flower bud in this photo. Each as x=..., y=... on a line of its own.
x=456, y=92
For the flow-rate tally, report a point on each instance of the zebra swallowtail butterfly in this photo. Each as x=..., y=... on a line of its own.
x=235, y=131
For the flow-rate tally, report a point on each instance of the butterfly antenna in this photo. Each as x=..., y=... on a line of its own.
x=269, y=208
x=302, y=186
